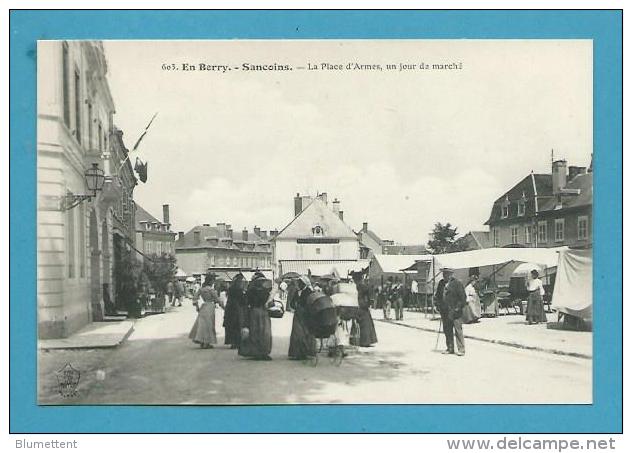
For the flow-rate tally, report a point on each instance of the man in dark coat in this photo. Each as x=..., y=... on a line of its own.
x=450, y=300
x=368, y=336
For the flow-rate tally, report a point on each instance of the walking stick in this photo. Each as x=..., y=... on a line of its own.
x=438, y=335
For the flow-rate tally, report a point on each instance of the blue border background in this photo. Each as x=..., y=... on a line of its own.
x=603, y=27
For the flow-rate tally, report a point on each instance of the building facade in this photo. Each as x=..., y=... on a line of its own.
x=154, y=237
x=74, y=223
x=545, y=210
x=220, y=249
x=316, y=236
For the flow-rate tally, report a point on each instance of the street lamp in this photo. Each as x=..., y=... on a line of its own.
x=95, y=177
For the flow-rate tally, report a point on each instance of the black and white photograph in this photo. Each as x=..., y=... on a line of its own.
x=271, y=222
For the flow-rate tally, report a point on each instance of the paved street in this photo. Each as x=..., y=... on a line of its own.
x=158, y=364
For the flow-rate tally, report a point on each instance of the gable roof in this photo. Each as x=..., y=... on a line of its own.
x=317, y=213
x=141, y=215
x=371, y=234
x=482, y=238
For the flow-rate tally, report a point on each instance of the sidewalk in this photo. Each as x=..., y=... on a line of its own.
x=509, y=330
x=94, y=335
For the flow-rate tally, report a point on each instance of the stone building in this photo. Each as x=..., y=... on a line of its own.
x=79, y=185
x=221, y=249
x=545, y=210
x=317, y=237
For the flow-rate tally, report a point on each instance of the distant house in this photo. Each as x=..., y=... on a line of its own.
x=399, y=249
x=370, y=242
x=153, y=236
x=316, y=237
x=475, y=240
x=545, y=210
x=220, y=249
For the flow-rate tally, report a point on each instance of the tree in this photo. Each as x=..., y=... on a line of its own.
x=128, y=277
x=160, y=270
x=443, y=239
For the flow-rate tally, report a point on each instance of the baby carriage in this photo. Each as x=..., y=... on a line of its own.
x=322, y=321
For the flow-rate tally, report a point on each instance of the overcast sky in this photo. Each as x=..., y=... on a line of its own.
x=401, y=150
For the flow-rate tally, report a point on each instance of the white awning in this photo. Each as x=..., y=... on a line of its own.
x=546, y=257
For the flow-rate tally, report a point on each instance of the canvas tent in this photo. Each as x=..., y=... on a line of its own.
x=490, y=260
x=573, y=287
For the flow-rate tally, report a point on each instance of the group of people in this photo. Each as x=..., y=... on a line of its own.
x=460, y=305
x=391, y=296
x=247, y=321
x=175, y=292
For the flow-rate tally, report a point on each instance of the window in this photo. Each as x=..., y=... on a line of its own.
x=521, y=208
x=318, y=231
x=70, y=242
x=212, y=260
x=542, y=231
x=147, y=226
x=496, y=238
x=527, y=234
x=82, y=242
x=505, y=211
x=559, y=230
x=514, y=234
x=317, y=250
x=78, y=106
x=582, y=227
x=65, y=84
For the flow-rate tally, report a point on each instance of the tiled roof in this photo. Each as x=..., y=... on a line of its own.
x=212, y=232
x=583, y=182
x=144, y=216
x=532, y=185
x=317, y=213
x=482, y=238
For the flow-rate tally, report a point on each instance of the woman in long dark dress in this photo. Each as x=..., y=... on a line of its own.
x=368, y=336
x=234, y=311
x=256, y=340
x=302, y=342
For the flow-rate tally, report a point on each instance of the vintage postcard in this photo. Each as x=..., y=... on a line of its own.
x=246, y=222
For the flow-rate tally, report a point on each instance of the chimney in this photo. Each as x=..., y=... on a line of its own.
x=335, y=205
x=229, y=231
x=323, y=197
x=298, y=204
x=165, y=214
x=221, y=230
x=257, y=230
x=558, y=173
x=244, y=234
x=264, y=234
x=273, y=233
x=196, y=237
x=341, y=214
x=574, y=171
x=180, y=235
x=365, y=227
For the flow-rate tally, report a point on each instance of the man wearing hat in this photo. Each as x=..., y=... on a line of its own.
x=453, y=301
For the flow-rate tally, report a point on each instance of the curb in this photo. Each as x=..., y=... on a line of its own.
x=578, y=355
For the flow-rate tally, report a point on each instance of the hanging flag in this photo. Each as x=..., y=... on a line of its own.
x=145, y=132
x=141, y=169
